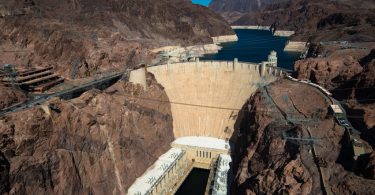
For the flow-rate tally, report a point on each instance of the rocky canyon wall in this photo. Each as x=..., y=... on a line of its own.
x=9, y=96
x=266, y=163
x=349, y=75
x=98, y=143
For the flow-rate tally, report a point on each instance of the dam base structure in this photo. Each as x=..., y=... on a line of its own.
x=206, y=101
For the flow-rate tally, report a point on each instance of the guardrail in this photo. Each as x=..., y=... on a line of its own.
x=210, y=181
x=223, y=62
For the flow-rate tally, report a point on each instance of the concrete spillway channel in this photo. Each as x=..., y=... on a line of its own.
x=206, y=98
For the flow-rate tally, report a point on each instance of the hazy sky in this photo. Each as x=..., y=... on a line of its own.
x=202, y=2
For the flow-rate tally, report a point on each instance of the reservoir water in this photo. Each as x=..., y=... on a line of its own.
x=254, y=46
x=195, y=183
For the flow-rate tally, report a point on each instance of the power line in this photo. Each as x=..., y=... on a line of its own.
x=358, y=100
x=218, y=107
x=345, y=81
x=343, y=89
x=340, y=81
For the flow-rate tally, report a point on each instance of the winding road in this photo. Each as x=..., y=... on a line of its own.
x=43, y=98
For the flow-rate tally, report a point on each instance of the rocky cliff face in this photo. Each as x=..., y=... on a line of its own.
x=270, y=164
x=9, y=96
x=361, y=97
x=349, y=74
x=98, y=143
x=93, y=35
x=328, y=72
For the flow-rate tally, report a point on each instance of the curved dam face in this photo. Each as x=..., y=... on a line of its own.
x=206, y=96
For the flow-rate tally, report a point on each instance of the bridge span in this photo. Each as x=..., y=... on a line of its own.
x=67, y=93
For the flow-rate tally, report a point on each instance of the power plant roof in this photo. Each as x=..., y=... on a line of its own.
x=152, y=176
x=203, y=142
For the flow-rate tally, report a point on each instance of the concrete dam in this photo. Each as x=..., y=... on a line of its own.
x=206, y=98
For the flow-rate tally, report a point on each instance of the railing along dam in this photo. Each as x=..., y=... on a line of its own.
x=206, y=96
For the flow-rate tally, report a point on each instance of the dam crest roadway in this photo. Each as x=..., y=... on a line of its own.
x=206, y=99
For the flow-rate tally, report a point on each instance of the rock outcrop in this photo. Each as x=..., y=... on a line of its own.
x=10, y=96
x=366, y=79
x=98, y=143
x=350, y=76
x=361, y=98
x=328, y=72
x=268, y=163
x=86, y=36
x=368, y=166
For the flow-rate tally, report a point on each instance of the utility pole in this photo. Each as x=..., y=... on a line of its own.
x=11, y=73
x=74, y=70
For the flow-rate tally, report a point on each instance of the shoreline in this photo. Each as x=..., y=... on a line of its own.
x=178, y=53
x=251, y=27
x=224, y=39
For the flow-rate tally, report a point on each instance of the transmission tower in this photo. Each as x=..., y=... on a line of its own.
x=300, y=140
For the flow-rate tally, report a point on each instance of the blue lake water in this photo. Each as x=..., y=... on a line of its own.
x=254, y=46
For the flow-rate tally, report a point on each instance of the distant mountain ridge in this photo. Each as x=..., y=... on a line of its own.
x=339, y=20
x=241, y=5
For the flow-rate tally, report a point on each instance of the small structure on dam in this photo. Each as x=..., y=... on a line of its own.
x=139, y=75
x=201, y=150
x=272, y=59
x=206, y=99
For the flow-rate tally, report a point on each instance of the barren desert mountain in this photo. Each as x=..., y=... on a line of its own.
x=232, y=10
x=314, y=20
x=92, y=35
x=98, y=143
x=242, y=6
x=267, y=164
